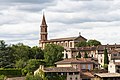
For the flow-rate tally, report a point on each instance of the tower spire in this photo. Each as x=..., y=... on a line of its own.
x=43, y=29
x=43, y=21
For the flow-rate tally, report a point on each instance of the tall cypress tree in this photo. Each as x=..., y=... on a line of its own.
x=79, y=55
x=106, y=60
x=85, y=55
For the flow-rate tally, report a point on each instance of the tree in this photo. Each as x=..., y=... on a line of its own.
x=81, y=44
x=21, y=51
x=85, y=55
x=53, y=53
x=106, y=59
x=20, y=64
x=33, y=64
x=6, y=57
x=79, y=55
x=93, y=43
x=2, y=45
x=37, y=53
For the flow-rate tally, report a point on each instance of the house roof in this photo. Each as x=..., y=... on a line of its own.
x=116, y=51
x=83, y=48
x=76, y=61
x=102, y=47
x=86, y=75
x=113, y=51
x=60, y=69
x=107, y=75
x=117, y=63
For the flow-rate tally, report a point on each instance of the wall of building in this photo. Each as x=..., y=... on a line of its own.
x=86, y=66
x=111, y=67
x=64, y=65
x=101, y=58
x=73, y=76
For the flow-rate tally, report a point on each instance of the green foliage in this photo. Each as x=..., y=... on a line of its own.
x=20, y=56
x=105, y=66
x=93, y=43
x=5, y=55
x=89, y=43
x=81, y=44
x=20, y=64
x=2, y=45
x=10, y=72
x=79, y=55
x=24, y=52
x=38, y=53
x=54, y=76
x=106, y=60
x=33, y=64
x=53, y=53
x=21, y=51
x=2, y=77
x=85, y=55
x=33, y=77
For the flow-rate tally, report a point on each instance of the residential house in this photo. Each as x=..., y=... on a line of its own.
x=78, y=63
x=69, y=73
x=114, y=64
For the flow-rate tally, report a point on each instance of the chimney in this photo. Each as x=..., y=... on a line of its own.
x=41, y=67
x=115, y=45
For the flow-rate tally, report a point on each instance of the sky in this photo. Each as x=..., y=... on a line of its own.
x=20, y=20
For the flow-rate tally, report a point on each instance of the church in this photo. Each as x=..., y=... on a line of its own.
x=68, y=42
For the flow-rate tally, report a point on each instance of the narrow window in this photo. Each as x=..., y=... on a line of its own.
x=89, y=66
x=70, y=44
x=83, y=66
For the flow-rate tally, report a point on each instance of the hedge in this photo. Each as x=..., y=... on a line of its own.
x=10, y=72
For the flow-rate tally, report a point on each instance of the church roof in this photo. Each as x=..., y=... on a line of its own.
x=66, y=39
x=63, y=39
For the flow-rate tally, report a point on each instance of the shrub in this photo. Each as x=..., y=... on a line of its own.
x=33, y=77
x=10, y=72
x=2, y=77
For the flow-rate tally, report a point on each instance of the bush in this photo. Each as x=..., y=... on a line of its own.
x=10, y=72
x=32, y=65
x=33, y=77
x=2, y=77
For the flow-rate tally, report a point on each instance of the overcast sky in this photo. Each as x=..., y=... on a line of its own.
x=96, y=19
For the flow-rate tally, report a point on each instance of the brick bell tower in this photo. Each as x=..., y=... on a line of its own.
x=43, y=33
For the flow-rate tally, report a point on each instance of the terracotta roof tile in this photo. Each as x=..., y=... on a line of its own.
x=60, y=69
x=108, y=74
x=87, y=75
x=76, y=60
x=117, y=63
x=65, y=39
